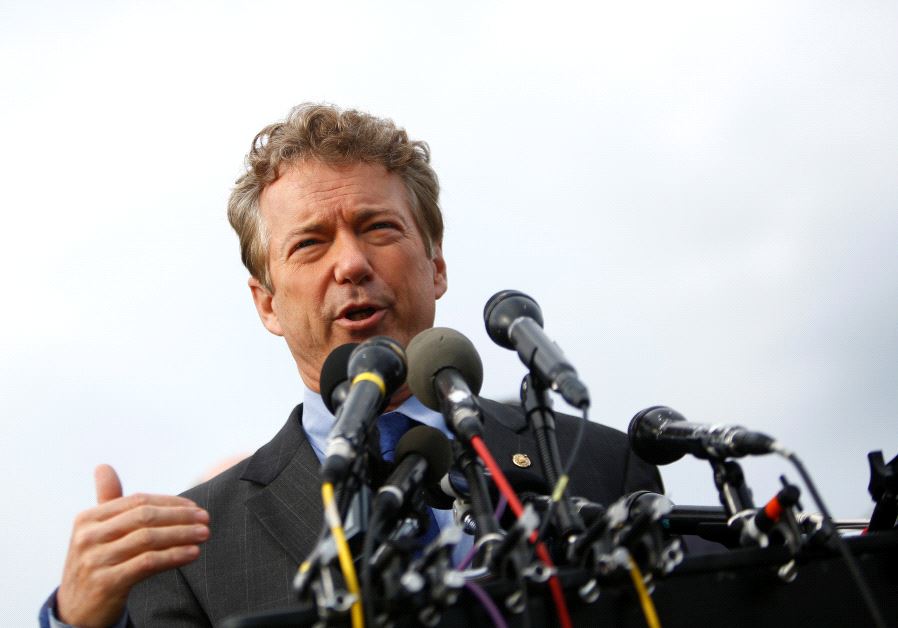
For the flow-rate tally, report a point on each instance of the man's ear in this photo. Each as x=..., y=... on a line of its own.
x=440, y=280
x=263, y=299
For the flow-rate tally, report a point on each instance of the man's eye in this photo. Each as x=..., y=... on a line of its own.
x=304, y=244
x=382, y=225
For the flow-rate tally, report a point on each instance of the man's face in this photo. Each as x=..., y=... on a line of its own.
x=346, y=262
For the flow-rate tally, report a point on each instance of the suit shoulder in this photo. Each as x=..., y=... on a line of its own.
x=260, y=468
x=606, y=451
x=223, y=484
x=594, y=430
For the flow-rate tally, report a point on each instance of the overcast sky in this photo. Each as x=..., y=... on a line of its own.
x=702, y=197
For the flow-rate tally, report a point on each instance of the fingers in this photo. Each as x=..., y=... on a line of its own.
x=115, y=507
x=109, y=496
x=107, y=483
x=146, y=516
x=153, y=541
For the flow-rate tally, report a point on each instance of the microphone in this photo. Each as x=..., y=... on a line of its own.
x=376, y=370
x=514, y=321
x=445, y=374
x=334, y=380
x=423, y=456
x=661, y=435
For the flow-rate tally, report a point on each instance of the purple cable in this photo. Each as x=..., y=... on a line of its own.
x=491, y=610
x=500, y=509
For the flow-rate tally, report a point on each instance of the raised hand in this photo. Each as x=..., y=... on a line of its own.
x=120, y=542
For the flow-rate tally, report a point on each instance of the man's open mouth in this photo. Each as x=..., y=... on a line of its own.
x=360, y=314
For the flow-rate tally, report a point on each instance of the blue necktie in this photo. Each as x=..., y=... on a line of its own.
x=392, y=426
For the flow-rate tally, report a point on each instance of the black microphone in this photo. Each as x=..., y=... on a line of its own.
x=376, y=369
x=445, y=374
x=514, y=321
x=661, y=435
x=334, y=380
x=423, y=456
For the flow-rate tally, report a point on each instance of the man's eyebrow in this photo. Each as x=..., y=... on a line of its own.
x=312, y=226
x=378, y=212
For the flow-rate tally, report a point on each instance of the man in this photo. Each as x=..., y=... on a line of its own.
x=341, y=230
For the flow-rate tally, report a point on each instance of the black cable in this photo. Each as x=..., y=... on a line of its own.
x=350, y=486
x=581, y=429
x=829, y=529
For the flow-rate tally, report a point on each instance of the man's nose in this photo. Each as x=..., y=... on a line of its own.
x=351, y=264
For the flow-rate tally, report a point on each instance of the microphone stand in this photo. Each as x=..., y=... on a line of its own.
x=386, y=586
x=735, y=496
x=883, y=488
x=538, y=410
x=317, y=581
x=486, y=529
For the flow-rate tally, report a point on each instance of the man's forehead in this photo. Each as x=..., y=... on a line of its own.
x=304, y=184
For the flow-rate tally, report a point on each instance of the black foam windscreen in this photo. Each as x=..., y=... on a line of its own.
x=434, y=350
x=432, y=445
x=643, y=432
x=333, y=373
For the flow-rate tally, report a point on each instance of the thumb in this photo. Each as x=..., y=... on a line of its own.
x=108, y=485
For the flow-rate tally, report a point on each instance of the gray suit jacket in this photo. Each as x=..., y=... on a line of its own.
x=266, y=516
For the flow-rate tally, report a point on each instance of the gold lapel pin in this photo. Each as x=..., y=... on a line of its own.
x=521, y=460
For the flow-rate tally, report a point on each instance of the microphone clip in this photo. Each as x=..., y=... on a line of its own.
x=632, y=528
x=883, y=488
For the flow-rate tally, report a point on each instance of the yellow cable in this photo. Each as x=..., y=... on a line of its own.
x=648, y=607
x=559, y=488
x=332, y=517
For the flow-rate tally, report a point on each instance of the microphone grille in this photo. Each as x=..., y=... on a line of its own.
x=643, y=433
x=501, y=311
x=382, y=355
x=434, y=350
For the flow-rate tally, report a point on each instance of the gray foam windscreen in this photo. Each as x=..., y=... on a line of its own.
x=434, y=350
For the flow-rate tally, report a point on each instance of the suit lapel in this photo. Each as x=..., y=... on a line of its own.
x=289, y=504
